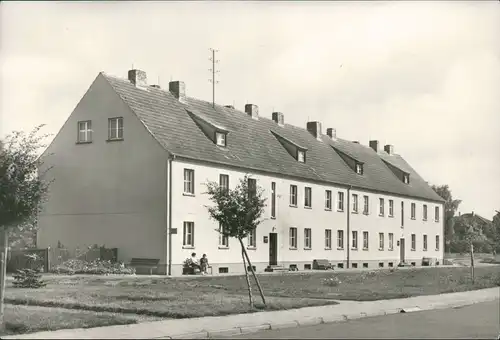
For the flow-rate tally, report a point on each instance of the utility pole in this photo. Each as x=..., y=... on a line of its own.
x=214, y=71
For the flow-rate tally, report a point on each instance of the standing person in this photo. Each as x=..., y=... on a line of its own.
x=204, y=264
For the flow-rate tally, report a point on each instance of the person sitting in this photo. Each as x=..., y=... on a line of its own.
x=204, y=264
x=193, y=263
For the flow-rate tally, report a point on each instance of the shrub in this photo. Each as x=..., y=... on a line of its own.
x=97, y=267
x=29, y=278
x=332, y=281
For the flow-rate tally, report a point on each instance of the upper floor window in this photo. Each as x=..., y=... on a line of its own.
x=366, y=205
x=391, y=208
x=293, y=195
x=301, y=156
x=189, y=181
x=252, y=187
x=307, y=197
x=340, y=201
x=273, y=199
x=424, y=212
x=359, y=168
x=436, y=214
x=84, y=132
x=224, y=182
x=381, y=207
x=220, y=138
x=406, y=178
x=115, y=128
x=413, y=213
x=355, y=203
x=328, y=199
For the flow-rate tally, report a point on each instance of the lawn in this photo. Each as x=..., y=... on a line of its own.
x=27, y=319
x=221, y=295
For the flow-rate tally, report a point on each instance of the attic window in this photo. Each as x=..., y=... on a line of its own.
x=301, y=156
x=220, y=138
x=406, y=178
x=359, y=168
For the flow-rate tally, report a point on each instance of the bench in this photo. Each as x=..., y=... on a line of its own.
x=145, y=263
x=322, y=264
x=193, y=270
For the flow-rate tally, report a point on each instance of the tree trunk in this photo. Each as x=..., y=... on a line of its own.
x=250, y=297
x=4, y=241
x=254, y=276
x=472, y=261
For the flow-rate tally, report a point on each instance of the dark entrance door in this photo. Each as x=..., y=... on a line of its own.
x=273, y=249
x=402, y=250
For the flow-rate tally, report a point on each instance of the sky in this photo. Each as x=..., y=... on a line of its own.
x=422, y=76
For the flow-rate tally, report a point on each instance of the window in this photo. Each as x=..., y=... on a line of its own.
x=220, y=138
x=437, y=242
x=381, y=207
x=307, y=197
x=293, y=195
x=115, y=128
x=406, y=178
x=84, y=132
x=424, y=212
x=189, y=181
x=340, y=203
x=354, y=240
x=391, y=208
x=328, y=239
x=223, y=239
x=252, y=238
x=355, y=203
x=273, y=200
x=224, y=182
x=340, y=239
x=293, y=238
x=301, y=156
x=391, y=241
x=381, y=241
x=328, y=199
x=436, y=214
x=188, y=234
x=366, y=205
x=359, y=168
x=252, y=187
x=307, y=238
x=425, y=242
x=413, y=208
x=413, y=242
x=365, y=240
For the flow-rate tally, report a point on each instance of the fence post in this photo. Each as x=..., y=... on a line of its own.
x=46, y=261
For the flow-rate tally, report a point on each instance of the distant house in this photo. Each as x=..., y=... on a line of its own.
x=483, y=224
x=131, y=161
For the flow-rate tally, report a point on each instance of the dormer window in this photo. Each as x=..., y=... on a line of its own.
x=359, y=168
x=406, y=178
x=220, y=138
x=301, y=156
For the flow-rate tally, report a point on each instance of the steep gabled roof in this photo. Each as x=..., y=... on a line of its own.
x=253, y=146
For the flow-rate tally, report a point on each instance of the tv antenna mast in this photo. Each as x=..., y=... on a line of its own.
x=214, y=71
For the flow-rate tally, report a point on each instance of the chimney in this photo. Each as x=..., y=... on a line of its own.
x=252, y=110
x=279, y=118
x=178, y=89
x=389, y=149
x=374, y=145
x=229, y=106
x=332, y=133
x=138, y=77
x=472, y=213
x=315, y=129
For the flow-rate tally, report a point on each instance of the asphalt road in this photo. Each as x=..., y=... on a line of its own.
x=479, y=321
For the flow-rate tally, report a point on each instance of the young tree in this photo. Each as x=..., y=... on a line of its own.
x=471, y=233
x=22, y=190
x=450, y=208
x=238, y=212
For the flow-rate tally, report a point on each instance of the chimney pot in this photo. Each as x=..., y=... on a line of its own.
x=374, y=145
x=332, y=133
x=279, y=118
x=138, y=77
x=178, y=89
x=315, y=129
x=389, y=149
x=252, y=110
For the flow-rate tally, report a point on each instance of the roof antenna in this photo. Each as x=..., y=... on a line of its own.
x=214, y=71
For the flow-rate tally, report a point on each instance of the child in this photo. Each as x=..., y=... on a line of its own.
x=204, y=264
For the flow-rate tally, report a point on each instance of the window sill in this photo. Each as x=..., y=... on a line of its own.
x=391, y=216
x=114, y=139
x=223, y=247
x=381, y=249
x=188, y=194
x=328, y=209
x=84, y=142
x=366, y=213
x=425, y=250
x=340, y=210
x=306, y=248
x=340, y=248
x=381, y=215
x=354, y=249
x=326, y=248
x=437, y=249
x=187, y=247
x=293, y=206
x=436, y=221
x=307, y=207
x=413, y=218
x=354, y=212
x=412, y=249
x=390, y=249
x=365, y=249
x=292, y=248
x=424, y=219
x=251, y=247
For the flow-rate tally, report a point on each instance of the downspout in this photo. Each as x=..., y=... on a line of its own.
x=348, y=224
x=169, y=172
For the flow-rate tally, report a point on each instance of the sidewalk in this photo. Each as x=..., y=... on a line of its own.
x=246, y=323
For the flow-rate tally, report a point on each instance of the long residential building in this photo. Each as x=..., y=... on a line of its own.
x=131, y=162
